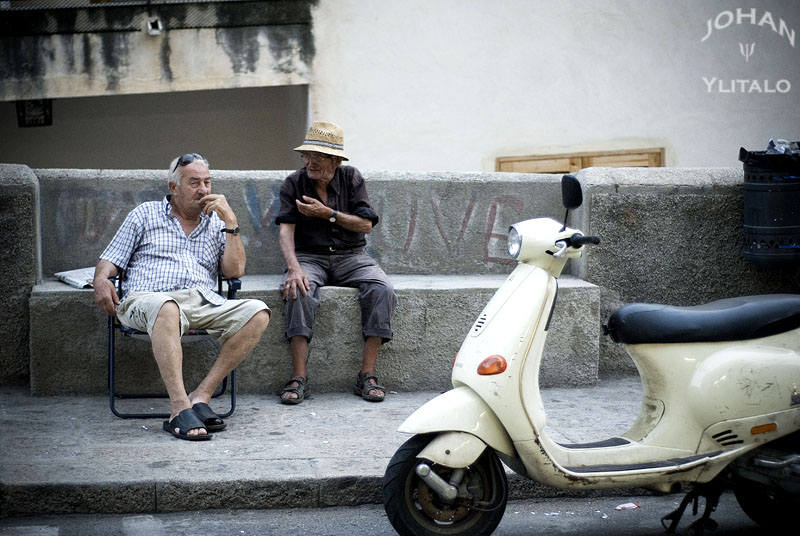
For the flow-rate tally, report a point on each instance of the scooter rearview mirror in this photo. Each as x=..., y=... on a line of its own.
x=571, y=195
x=571, y=192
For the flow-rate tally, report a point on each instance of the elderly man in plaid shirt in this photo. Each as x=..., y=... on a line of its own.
x=171, y=251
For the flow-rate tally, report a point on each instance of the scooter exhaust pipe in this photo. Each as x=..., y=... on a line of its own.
x=445, y=491
x=777, y=464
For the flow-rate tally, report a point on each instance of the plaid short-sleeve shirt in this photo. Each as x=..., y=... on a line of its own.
x=157, y=255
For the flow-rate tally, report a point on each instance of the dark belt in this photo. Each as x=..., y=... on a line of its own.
x=330, y=250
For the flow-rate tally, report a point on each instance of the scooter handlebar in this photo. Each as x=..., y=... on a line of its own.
x=578, y=240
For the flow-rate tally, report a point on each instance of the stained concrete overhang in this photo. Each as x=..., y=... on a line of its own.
x=106, y=50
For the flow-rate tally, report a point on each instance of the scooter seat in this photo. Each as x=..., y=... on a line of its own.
x=732, y=319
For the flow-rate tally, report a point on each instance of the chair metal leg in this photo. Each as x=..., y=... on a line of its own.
x=233, y=286
x=113, y=395
x=233, y=395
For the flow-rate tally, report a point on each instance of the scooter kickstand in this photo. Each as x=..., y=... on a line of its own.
x=676, y=515
x=711, y=494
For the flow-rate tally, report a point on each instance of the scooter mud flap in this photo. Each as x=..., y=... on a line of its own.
x=460, y=410
x=453, y=449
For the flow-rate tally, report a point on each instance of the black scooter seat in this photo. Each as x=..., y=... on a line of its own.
x=732, y=319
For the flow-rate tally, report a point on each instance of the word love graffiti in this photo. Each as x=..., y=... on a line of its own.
x=493, y=238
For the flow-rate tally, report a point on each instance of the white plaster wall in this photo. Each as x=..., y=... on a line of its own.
x=453, y=84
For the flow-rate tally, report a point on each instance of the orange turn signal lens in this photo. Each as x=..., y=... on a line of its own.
x=494, y=364
x=764, y=428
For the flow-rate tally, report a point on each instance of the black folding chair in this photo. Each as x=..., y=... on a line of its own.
x=233, y=285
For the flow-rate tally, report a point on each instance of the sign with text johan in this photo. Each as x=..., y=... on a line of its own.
x=760, y=39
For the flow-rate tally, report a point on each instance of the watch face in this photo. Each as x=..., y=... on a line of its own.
x=332, y=219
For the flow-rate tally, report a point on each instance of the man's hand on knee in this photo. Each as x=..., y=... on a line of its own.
x=296, y=279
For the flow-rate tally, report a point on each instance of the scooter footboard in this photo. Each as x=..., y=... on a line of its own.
x=460, y=410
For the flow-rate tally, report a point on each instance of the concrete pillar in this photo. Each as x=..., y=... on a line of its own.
x=20, y=267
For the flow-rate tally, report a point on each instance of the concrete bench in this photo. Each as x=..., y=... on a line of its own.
x=68, y=338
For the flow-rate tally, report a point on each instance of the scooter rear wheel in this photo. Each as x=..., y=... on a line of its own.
x=414, y=509
x=768, y=508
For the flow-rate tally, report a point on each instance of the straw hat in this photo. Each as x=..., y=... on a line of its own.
x=325, y=138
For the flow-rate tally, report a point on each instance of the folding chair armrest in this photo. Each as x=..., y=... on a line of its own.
x=234, y=285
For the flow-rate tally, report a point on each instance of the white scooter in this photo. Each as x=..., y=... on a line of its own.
x=720, y=410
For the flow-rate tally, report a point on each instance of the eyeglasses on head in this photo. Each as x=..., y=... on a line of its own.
x=187, y=159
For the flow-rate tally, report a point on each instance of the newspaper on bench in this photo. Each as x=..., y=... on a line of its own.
x=80, y=278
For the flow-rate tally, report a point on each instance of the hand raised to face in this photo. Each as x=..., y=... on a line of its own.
x=313, y=208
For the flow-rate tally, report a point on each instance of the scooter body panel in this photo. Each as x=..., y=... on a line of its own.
x=520, y=307
x=747, y=379
x=704, y=405
x=702, y=384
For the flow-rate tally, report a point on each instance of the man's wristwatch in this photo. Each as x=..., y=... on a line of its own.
x=234, y=231
x=332, y=219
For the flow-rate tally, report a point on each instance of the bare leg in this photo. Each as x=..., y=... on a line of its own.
x=371, y=347
x=232, y=353
x=166, y=342
x=299, y=348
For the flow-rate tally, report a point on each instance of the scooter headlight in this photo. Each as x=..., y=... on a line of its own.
x=514, y=242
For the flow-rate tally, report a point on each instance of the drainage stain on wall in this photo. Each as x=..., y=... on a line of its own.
x=242, y=47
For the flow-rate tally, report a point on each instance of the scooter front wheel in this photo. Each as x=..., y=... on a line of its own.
x=415, y=509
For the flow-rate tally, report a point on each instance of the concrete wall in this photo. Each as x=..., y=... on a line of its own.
x=447, y=85
x=437, y=223
x=669, y=235
x=226, y=79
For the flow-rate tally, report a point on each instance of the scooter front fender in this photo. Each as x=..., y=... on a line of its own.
x=453, y=449
x=460, y=410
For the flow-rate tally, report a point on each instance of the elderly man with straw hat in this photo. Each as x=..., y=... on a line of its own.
x=324, y=217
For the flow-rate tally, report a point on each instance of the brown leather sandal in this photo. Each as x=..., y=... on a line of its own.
x=301, y=391
x=363, y=387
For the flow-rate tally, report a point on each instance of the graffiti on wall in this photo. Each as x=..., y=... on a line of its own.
x=438, y=225
x=428, y=219
x=262, y=218
x=405, y=223
x=89, y=219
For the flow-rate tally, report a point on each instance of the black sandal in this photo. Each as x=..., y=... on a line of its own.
x=183, y=422
x=210, y=419
x=363, y=387
x=301, y=391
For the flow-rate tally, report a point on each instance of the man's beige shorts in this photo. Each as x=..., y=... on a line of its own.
x=139, y=311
